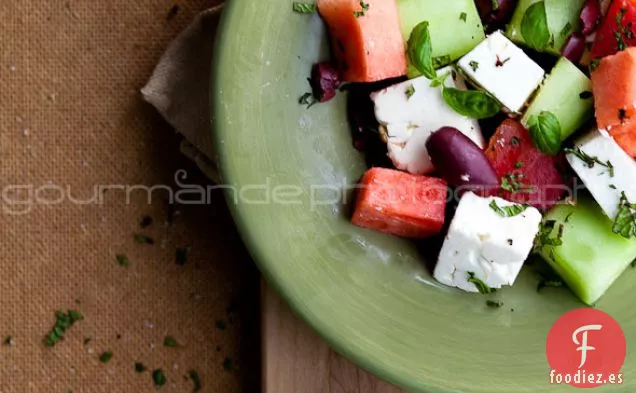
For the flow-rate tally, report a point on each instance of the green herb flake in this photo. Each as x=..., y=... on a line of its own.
x=494, y=4
x=140, y=368
x=145, y=222
x=143, y=239
x=474, y=65
x=590, y=161
x=534, y=27
x=196, y=381
x=441, y=61
x=63, y=322
x=494, y=303
x=518, y=165
x=181, y=256
x=507, y=211
x=87, y=340
x=170, y=342
x=420, y=50
x=308, y=99
x=221, y=325
x=549, y=283
x=364, y=7
x=512, y=182
x=625, y=221
x=481, y=286
x=409, y=91
x=544, y=237
x=122, y=260
x=463, y=16
x=623, y=31
x=228, y=365
x=158, y=377
x=568, y=217
x=613, y=187
x=514, y=141
x=594, y=64
x=105, y=357
x=304, y=8
x=586, y=95
x=545, y=131
x=566, y=30
x=8, y=340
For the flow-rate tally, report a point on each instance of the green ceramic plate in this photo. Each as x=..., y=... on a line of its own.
x=369, y=295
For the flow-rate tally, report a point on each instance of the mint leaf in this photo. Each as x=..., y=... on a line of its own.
x=534, y=26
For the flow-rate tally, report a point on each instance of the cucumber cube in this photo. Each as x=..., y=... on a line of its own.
x=563, y=20
x=591, y=257
x=455, y=26
x=567, y=94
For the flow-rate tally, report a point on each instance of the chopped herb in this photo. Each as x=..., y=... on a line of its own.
x=170, y=342
x=174, y=10
x=145, y=222
x=62, y=324
x=625, y=221
x=512, y=183
x=87, y=340
x=549, y=283
x=143, y=239
x=518, y=164
x=463, y=16
x=613, y=187
x=441, y=61
x=304, y=8
x=122, y=260
x=586, y=95
x=181, y=256
x=501, y=63
x=510, y=242
x=474, y=65
x=140, y=368
x=494, y=303
x=565, y=30
x=622, y=115
x=567, y=218
x=307, y=99
x=221, y=325
x=514, y=141
x=7, y=340
x=589, y=160
x=508, y=211
x=544, y=238
x=364, y=8
x=494, y=4
x=194, y=376
x=158, y=377
x=228, y=364
x=106, y=356
x=594, y=64
x=409, y=91
x=481, y=286
x=622, y=31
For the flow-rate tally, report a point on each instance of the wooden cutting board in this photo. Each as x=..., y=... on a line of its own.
x=295, y=360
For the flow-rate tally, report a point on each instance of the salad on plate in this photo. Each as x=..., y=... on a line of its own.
x=505, y=128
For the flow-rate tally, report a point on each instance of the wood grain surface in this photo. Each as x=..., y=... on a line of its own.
x=295, y=360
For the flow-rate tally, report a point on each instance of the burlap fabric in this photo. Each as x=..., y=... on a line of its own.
x=77, y=143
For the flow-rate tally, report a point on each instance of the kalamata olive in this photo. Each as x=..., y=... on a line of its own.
x=574, y=47
x=460, y=161
x=495, y=12
x=590, y=16
x=324, y=81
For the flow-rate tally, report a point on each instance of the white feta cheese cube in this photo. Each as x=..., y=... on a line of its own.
x=612, y=172
x=483, y=243
x=410, y=112
x=504, y=70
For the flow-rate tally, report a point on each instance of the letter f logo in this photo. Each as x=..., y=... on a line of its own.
x=583, y=344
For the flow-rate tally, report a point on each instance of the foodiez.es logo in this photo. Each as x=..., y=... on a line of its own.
x=586, y=348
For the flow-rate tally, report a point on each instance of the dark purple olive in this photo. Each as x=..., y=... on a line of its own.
x=324, y=81
x=574, y=47
x=590, y=16
x=460, y=161
x=495, y=12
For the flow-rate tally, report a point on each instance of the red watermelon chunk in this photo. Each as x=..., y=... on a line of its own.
x=527, y=175
x=400, y=203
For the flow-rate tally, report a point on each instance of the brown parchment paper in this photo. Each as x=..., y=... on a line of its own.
x=74, y=130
